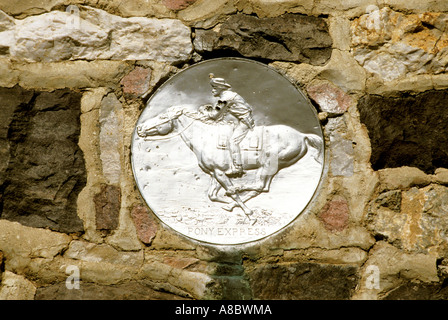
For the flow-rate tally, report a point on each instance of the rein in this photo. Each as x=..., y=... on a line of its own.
x=171, y=136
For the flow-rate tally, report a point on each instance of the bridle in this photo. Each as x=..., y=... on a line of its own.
x=171, y=136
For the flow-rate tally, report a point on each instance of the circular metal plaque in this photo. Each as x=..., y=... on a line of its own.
x=227, y=151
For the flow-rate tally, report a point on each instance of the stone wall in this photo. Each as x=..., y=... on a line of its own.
x=74, y=77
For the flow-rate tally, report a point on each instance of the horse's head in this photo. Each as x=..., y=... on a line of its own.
x=160, y=125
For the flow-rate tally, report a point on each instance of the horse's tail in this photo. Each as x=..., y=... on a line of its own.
x=316, y=142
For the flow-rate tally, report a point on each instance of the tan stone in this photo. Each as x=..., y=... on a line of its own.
x=179, y=281
x=394, y=267
x=205, y=13
x=82, y=74
x=418, y=6
x=309, y=231
x=91, y=99
x=86, y=251
x=395, y=45
x=440, y=81
x=339, y=29
x=301, y=73
x=16, y=287
x=349, y=8
x=402, y=178
x=344, y=71
x=414, y=220
x=138, y=8
x=337, y=256
x=167, y=239
x=8, y=76
x=416, y=83
x=19, y=243
x=274, y=8
x=441, y=176
x=28, y=7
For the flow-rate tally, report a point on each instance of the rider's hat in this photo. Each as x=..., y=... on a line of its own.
x=218, y=82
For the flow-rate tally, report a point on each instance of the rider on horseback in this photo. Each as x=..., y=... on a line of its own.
x=232, y=103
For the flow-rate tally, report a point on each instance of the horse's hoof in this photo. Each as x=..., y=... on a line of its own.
x=228, y=208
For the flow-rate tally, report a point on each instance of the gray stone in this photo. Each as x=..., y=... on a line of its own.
x=45, y=166
x=341, y=149
x=290, y=37
x=111, y=121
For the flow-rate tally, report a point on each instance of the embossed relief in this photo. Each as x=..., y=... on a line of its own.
x=224, y=158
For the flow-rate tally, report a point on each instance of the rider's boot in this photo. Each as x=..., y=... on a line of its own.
x=236, y=166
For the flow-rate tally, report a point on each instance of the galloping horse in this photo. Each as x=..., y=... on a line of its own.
x=282, y=146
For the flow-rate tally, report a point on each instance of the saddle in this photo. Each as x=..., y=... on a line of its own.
x=253, y=141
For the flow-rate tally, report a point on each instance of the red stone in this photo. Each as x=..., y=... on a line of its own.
x=107, y=207
x=178, y=4
x=145, y=225
x=334, y=215
x=180, y=263
x=330, y=98
x=136, y=82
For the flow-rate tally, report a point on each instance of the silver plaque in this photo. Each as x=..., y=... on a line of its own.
x=227, y=151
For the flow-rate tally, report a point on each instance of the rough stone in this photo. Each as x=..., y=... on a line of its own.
x=413, y=220
x=298, y=72
x=339, y=28
x=341, y=149
x=311, y=232
x=111, y=122
x=342, y=163
x=137, y=82
x=344, y=71
x=441, y=176
x=178, y=4
x=16, y=287
x=302, y=281
x=20, y=243
x=145, y=225
x=96, y=34
x=395, y=268
x=330, y=98
x=178, y=281
x=131, y=290
x=418, y=291
x=351, y=256
x=206, y=14
x=86, y=251
x=269, y=8
x=335, y=215
x=107, y=207
x=83, y=74
x=45, y=169
x=402, y=178
x=394, y=45
x=290, y=37
x=407, y=130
